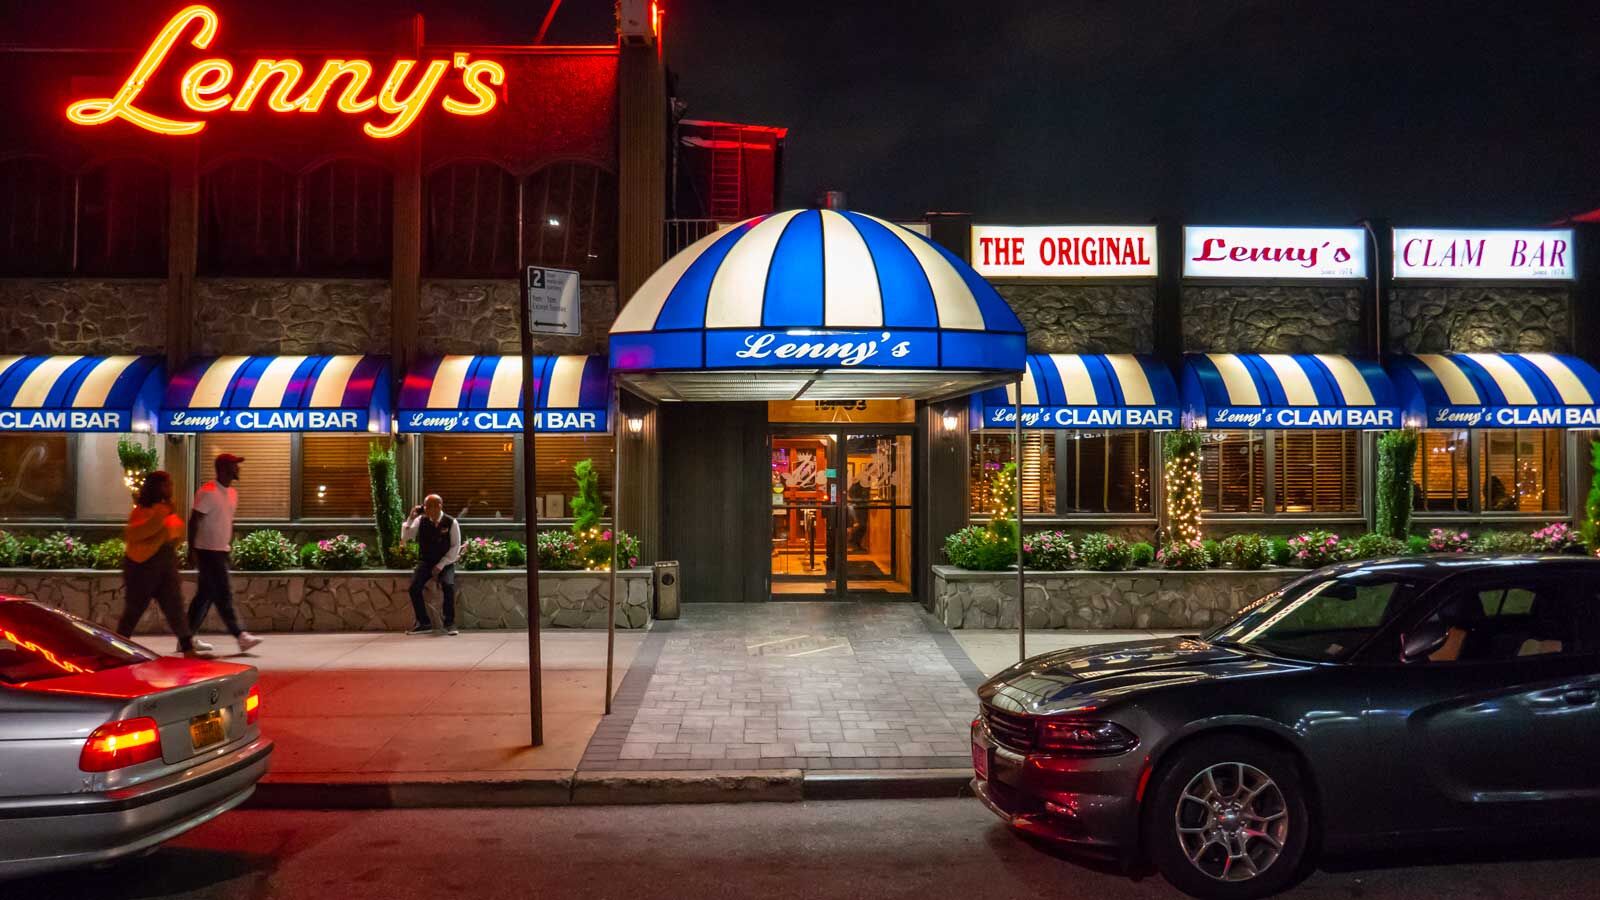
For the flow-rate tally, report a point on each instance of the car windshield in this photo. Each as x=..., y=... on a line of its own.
x=1317, y=619
x=37, y=643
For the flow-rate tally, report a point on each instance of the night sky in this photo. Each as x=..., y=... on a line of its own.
x=1261, y=111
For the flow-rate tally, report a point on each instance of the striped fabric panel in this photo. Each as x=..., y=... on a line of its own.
x=495, y=382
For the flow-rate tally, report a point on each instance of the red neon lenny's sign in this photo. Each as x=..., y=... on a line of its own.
x=208, y=86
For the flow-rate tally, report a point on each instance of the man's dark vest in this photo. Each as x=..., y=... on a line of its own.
x=433, y=541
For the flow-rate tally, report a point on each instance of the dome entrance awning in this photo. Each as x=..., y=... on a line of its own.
x=815, y=305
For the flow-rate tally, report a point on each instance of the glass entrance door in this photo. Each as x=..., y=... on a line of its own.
x=841, y=513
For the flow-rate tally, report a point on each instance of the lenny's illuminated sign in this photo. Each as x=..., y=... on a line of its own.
x=1064, y=251
x=1542, y=254
x=1213, y=252
x=209, y=86
x=194, y=421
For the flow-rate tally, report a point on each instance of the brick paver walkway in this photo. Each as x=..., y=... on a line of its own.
x=791, y=685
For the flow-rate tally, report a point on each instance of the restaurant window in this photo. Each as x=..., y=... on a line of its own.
x=569, y=216
x=992, y=450
x=1233, y=472
x=1104, y=472
x=103, y=494
x=476, y=474
x=122, y=219
x=472, y=221
x=35, y=476
x=36, y=217
x=349, y=211
x=334, y=483
x=1441, y=472
x=265, y=480
x=247, y=219
x=556, y=455
x=1493, y=471
x=1316, y=471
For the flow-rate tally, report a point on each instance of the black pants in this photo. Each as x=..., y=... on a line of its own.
x=447, y=586
x=215, y=587
x=154, y=579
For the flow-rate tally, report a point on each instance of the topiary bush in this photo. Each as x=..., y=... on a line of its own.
x=264, y=551
x=387, y=513
x=1314, y=549
x=1278, y=551
x=1184, y=555
x=1051, y=551
x=1591, y=506
x=109, y=554
x=1104, y=553
x=1141, y=555
x=1245, y=551
x=1397, y=453
x=516, y=554
x=1373, y=545
x=979, y=549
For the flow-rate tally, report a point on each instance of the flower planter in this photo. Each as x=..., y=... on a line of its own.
x=361, y=600
x=1139, y=598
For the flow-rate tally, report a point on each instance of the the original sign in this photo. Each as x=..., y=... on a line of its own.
x=1251, y=417
x=500, y=420
x=63, y=420
x=554, y=306
x=206, y=420
x=283, y=84
x=1486, y=254
x=1064, y=251
x=1225, y=252
x=1087, y=417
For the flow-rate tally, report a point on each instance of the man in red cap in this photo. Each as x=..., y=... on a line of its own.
x=210, y=543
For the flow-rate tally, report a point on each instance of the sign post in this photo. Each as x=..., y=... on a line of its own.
x=545, y=309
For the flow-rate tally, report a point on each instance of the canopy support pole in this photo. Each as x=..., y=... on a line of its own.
x=530, y=518
x=1022, y=585
x=616, y=534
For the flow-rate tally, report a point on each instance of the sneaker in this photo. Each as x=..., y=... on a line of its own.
x=420, y=628
x=247, y=640
x=195, y=654
x=451, y=629
x=203, y=646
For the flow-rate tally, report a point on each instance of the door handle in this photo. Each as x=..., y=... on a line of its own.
x=1581, y=696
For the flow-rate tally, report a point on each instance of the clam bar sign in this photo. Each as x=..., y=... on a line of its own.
x=1498, y=254
x=1514, y=417
x=1279, y=253
x=63, y=420
x=1082, y=417
x=208, y=420
x=501, y=420
x=1350, y=417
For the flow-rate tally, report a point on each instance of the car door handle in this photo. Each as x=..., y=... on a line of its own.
x=1581, y=697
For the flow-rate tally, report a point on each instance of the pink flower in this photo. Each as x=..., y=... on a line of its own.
x=606, y=535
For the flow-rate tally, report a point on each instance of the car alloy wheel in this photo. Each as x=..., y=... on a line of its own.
x=1232, y=821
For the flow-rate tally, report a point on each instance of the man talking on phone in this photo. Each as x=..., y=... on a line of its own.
x=438, y=538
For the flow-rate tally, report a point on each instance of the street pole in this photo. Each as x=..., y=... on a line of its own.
x=530, y=518
x=1022, y=585
x=616, y=534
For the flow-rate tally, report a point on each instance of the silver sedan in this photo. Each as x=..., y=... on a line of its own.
x=108, y=749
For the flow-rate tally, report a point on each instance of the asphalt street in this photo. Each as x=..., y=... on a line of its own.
x=904, y=848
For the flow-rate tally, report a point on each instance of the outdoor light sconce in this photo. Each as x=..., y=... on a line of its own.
x=950, y=421
x=635, y=424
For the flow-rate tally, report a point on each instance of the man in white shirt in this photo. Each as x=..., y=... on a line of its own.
x=210, y=543
x=438, y=538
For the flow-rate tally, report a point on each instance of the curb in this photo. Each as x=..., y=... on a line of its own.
x=498, y=789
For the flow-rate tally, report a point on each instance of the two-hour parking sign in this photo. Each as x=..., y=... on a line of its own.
x=551, y=296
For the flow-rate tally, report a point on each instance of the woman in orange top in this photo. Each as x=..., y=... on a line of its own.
x=151, y=567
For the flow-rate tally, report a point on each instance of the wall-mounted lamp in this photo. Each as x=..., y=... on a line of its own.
x=635, y=424
x=950, y=421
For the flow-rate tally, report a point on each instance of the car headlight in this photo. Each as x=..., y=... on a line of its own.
x=1083, y=736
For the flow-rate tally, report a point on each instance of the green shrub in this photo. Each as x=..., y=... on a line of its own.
x=404, y=556
x=1416, y=544
x=1503, y=542
x=1373, y=545
x=109, y=553
x=1397, y=452
x=1050, y=551
x=516, y=554
x=387, y=514
x=1314, y=549
x=1104, y=553
x=60, y=551
x=339, y=553
x=1591, y=506
x=1278, y=551
x=558, y=551
x=1182, y=555
x=480, y=554
x=1213, y=552
x=1245, y=551
x=137, y=459
x=308, y=555
x=1141, y=555
x=264, y=551
x=10, y=549
x=979, y=549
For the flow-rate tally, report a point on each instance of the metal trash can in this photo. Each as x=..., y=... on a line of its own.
x=666, y=584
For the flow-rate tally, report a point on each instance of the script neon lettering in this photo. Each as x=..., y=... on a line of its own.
x=477, y=76
x=100, y=110
x=197, y=88
x=359, y=71
x=405, y=109
x=288, y=72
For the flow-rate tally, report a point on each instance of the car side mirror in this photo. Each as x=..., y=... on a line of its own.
x=1421, y=642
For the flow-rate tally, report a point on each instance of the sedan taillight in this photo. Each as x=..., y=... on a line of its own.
x=1083, y=736
x=117, y=745
x=252, y=705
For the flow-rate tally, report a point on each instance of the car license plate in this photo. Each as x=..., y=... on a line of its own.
x=980, y=760
x=207, y=729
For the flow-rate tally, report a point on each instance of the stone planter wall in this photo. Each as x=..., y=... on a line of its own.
x=368, y=600
x=1145, y=598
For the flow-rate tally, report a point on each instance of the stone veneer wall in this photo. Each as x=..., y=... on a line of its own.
x=1268, y=318
x=1085, y=318
x=480, y=316
x=83, y=315
x=291, y=315
x=357, y=601
x=1148, y=598
x=1480, y=317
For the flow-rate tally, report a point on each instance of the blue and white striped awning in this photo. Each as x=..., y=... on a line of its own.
x=484, y=393
x=1066, y=390
x=1271, y=390
x=1497, y=390
x=279, y=393
x=79, y=393
x=799, y=298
